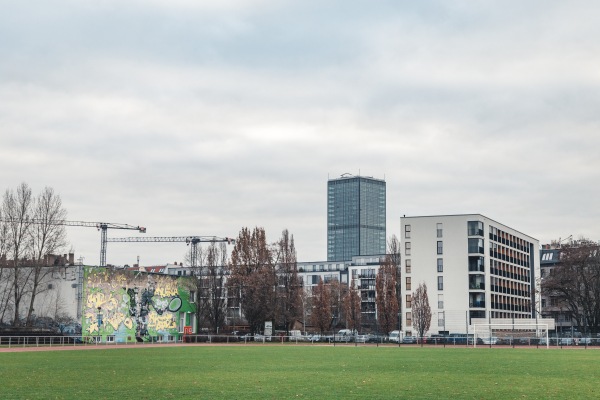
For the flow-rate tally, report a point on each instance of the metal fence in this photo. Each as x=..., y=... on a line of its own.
x=330, y=340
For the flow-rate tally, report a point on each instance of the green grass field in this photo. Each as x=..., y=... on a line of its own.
x=310, y=372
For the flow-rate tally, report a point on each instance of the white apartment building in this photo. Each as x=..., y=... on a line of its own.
x=473, y=266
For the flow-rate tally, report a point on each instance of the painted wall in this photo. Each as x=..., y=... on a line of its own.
x=124, y=305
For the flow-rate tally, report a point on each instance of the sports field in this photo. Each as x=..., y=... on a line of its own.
x=310, y=372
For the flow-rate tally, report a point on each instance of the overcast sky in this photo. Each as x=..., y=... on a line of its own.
x=196, y=117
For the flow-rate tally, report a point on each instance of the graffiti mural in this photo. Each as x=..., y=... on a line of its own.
x=126, y=306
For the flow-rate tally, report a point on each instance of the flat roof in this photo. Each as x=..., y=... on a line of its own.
x=466, y=215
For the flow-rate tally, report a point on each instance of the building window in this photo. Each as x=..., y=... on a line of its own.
x=440, y=247
x=441, y=321
x=475, y=228
x=441, y=301
x=440, y=283
x=408, y=266
x=440, y=265
x=407, y=231
x=408, y=301
x=408, y=283
x=409, y=319
x=439, y=230
x=192, y=296
x=407, y=248
x=476, y=246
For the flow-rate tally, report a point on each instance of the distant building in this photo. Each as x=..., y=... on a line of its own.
x=356, y=217
x=552, y=307
x=474, y=267
x=362, y=269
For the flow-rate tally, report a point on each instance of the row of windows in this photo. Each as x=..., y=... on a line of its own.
x=408, y=265
x=321, y=267
x=440, y=283
x=408, y=301
x=503, y=253
x=438, y=228
x=510, y=271
x=505, y=238
x=408, y=248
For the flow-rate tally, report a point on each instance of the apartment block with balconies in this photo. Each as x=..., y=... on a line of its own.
x=473, y=266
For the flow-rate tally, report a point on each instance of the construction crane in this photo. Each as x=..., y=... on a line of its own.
x=101, y=226
x=189, y=240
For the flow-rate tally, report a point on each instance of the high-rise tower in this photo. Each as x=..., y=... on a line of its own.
x=355, y=217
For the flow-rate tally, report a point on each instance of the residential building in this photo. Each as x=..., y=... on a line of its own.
x=473, y=266
x=551, y=306
x=362, y=269
x=356, y=217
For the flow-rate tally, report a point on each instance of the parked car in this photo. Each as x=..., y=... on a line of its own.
x=566, y=341
x=315, y=338
x=373, y=338
x=262, y=338
x=344, y=335
x=409, y=340
x=460, y=338
x=394, y=336
x=437, y=339
x=361, y=338
x=488, y=340
x=585, y=341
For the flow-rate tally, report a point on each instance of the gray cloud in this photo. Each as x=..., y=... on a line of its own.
x=200, y=118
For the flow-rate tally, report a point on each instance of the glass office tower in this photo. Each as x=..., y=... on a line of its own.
x=355, y=217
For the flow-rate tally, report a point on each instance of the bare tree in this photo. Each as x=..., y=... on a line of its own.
x=306, y=300
x=421, y=311
x=289, y=287
x=386, y=296
x=253, y=277
x=352, y=307
x=337, y=293
x=394, y=261
x=47, y=237
x=321, y=315
x=17, y=210
x=575, y=283
x=5, y=286
x=210, y=285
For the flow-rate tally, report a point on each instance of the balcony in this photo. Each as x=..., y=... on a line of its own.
x=477, y=304
x=476, y=246
x=476, y=264
x=476, y=282
x=477, y=286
